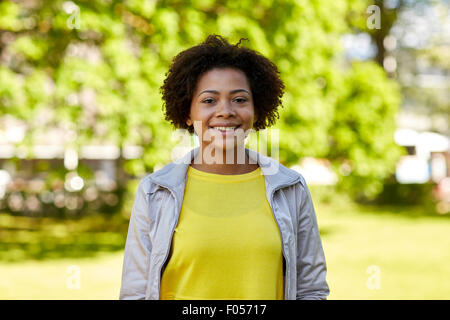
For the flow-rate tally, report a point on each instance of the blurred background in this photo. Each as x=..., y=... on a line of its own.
x=365, y=119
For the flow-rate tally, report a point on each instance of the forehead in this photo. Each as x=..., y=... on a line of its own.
x=223, y=79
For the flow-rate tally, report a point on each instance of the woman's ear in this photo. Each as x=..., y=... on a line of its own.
x=188, y=122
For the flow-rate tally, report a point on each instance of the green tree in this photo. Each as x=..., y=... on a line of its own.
x=95, y=68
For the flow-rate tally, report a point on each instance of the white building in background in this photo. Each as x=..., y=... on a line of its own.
x=316, y=171
x=428, y=156
x=428, y=160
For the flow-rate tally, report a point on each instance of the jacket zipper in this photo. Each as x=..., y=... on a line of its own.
x=281, y=233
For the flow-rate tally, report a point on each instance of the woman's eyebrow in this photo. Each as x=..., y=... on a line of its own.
x=217, y=92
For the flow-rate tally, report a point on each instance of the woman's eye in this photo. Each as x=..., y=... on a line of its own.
x=209, y=100
x=240, y=100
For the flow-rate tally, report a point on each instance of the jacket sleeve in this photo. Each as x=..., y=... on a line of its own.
x=311, y=266
x=137, y=250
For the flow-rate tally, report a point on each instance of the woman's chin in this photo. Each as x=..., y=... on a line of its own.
x=225, y=153
x=229, y=145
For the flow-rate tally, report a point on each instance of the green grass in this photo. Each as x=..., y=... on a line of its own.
x=409, y=248
x=99, y=278
x=410, y=251
x=24, y=238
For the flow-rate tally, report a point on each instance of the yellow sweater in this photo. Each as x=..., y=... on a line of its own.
x=227, y=244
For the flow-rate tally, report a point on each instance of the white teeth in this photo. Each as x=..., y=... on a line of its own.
x=225, y=128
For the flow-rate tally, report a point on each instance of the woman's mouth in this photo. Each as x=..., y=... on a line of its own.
x=225, y=131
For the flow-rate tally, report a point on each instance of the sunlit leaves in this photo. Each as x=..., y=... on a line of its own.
x=101, y=76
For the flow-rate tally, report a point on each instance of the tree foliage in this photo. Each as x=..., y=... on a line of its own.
x=94, y=68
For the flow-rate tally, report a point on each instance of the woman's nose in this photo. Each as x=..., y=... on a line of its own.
x=225, y=109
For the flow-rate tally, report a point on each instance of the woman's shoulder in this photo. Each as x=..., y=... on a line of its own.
x=281, y=170
x=169, y=175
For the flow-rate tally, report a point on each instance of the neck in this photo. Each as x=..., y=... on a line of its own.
x=230, y=161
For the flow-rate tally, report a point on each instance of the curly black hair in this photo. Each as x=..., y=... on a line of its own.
x=216, y=52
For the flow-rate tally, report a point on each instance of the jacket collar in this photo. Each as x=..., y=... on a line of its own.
x=173, y=175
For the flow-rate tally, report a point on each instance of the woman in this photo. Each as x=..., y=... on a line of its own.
x=220, y=223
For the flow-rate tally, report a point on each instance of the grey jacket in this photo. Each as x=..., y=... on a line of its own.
x=155, y=215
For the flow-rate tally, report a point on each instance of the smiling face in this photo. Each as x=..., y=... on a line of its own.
x=221, y=99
